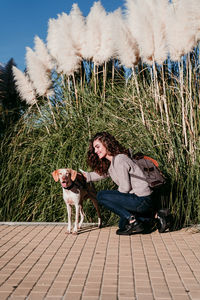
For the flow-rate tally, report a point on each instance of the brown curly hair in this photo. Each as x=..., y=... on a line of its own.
x=113, y=147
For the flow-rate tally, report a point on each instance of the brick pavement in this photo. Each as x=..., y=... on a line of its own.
x=44, y=262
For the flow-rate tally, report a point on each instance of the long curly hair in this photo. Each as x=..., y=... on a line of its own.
x=113, y=147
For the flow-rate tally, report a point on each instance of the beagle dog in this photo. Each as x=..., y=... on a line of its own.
x=75, y=191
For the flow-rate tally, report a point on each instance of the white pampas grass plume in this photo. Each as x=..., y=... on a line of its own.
x=106, y=50
x=94, y=31
x=64, y=40
x=159, y=11
x=181, y=28
x=52, y=45
x=42, y=53
x=24, y=86
x=196, y=18
x=139, y=20
x=127, y=50
x=68, y=60
x=38, y=74
x=77, y=29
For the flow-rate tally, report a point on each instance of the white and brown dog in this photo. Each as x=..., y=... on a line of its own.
x=75, y=191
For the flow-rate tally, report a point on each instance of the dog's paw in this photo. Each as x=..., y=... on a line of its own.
x=74, y=232
x=99, y=223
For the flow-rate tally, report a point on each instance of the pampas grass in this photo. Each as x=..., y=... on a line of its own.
x=38, y=74
x=40, y=77
x=181, y=31
x=24, y=86
x=94, y=31
x=106, y=49
x=148, y=30
x=52, y=38
x=94, y=37
x=62, y=46
x=139, y=18
x=127, y=50
x=158, y=133
x=26, y=90
x=43, y=54
x=159, y=19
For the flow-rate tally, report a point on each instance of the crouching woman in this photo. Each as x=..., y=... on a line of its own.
x=107, y=157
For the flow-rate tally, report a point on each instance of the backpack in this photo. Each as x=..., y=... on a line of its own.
x=149, y=166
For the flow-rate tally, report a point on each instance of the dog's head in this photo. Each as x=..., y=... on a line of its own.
x=66, y=176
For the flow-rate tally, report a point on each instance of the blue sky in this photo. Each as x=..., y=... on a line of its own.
x=21, y=20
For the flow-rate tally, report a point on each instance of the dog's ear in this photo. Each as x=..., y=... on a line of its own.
x=55, y=175
x=73, y=174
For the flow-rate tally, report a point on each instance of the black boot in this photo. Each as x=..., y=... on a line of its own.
x=132, y=228
x=164, y=220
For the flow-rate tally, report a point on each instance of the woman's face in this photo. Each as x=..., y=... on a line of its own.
x=100, y=149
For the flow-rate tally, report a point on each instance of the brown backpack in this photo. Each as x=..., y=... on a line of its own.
x=149, y=166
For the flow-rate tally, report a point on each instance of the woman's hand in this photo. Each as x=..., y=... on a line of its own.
x=83, y=173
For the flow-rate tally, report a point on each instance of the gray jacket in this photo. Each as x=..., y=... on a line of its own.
x=120, y=171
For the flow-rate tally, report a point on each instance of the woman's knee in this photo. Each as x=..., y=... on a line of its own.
x=103, y=196
x=108, y=196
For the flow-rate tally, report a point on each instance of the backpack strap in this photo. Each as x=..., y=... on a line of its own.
x=136, y=176
x=153, y=160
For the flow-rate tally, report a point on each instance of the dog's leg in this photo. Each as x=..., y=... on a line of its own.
x=82, y=217
x=69, y=212
x=95, y=203
x=77, y=208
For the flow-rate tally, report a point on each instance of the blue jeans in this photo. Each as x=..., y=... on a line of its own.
x=124, y=204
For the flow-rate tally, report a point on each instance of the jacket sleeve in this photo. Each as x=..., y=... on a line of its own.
x=93, y=176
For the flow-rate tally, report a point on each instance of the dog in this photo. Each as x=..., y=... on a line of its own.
x=75, y=191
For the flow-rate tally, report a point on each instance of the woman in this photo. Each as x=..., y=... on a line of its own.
x=107, y=157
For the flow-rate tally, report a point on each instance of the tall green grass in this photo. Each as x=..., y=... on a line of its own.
x=158, y=116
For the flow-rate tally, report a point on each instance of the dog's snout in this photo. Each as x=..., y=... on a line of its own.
x=65, y=178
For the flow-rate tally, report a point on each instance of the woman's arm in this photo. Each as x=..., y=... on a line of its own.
x=93, y=176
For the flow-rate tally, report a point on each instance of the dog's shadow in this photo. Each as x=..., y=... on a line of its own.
x=85, y=229
x=88, y=228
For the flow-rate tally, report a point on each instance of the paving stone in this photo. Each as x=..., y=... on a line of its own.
x=145, y=297
x=89, y=292
x=181, y=297
x=36, y=296
x=143, y=290
x=109, y=297
x=43, y=262
x=56, y=292
x=90, y=298
x=4, y=295
x=127, y=298
x=124, y=292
